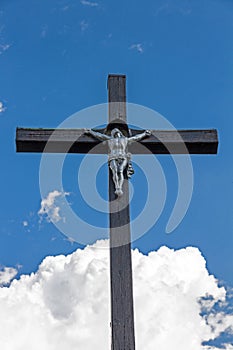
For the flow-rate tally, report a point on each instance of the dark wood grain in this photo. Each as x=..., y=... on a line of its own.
x=74, y=141
x=122, y=315
x=117, y=98
x=57, y=141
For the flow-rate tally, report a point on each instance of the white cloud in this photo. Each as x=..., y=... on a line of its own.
x=25, y=223
x=137, y=47
x=2, y=108
x=19, y=266
x=162, y=8
x=50, y=208
x=66, y=8
x=65, y=304
x=7, y=274
x=89, y=3
x=4, y=47
x=171, y=7
x=84, y=25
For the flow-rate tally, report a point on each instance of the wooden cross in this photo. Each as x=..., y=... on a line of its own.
x=160, y=142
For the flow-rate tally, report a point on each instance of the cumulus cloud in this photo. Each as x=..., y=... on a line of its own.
x=65, y=304
x=137, y=47
x=50, y=206
x=7, y=274
x=89, y=3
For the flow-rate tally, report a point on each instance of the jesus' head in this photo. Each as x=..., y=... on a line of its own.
x=116, y=133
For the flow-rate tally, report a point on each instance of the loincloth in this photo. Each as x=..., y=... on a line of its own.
x=119, y=157
x=126, y=156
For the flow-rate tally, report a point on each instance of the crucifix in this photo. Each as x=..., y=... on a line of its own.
x=118, y=141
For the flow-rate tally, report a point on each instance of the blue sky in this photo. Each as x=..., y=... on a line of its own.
x=54, y=61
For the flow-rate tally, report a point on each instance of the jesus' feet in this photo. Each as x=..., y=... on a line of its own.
x=119, y=192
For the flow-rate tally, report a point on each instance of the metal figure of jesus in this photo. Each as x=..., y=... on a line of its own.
x=119, y=158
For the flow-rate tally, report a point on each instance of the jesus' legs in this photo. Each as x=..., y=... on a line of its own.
x=121, y=166
x=113, y=167
x=117, y=167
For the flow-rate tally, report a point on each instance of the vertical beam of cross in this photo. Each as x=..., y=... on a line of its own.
x=122, y=315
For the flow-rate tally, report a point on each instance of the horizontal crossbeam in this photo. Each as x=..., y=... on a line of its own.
x=75, y=141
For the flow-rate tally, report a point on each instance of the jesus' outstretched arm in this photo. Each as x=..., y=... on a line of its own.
x=139, y=137
x=97, y=135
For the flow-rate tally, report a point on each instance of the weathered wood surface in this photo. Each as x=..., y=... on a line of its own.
x=116, y=98
x=122, y=315
x=74, y=141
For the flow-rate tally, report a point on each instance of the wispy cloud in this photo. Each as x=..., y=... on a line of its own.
x=173, y=8
x=89, y=3
x=2, y=107
x=66, y=8
x=50, y=208
x=162, y=8
x=4, y=47
x=84, y=25
x=137, y=47
x=44, y=31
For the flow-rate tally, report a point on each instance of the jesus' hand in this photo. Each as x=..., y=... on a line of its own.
x=148, y=133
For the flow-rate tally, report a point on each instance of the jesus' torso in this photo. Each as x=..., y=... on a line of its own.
x=118, y=147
